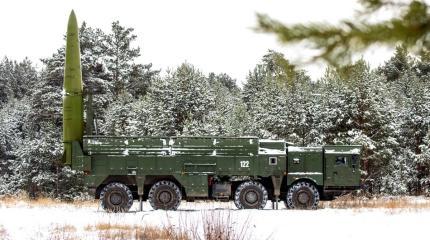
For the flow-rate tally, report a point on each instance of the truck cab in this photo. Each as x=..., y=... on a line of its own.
x=320, y=172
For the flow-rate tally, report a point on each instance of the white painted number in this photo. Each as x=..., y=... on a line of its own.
x=244, y=163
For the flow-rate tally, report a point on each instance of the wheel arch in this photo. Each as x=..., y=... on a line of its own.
x=266, y=181
x=268, y=184
x=152, y=179
x=129, y=181
x=305, y=179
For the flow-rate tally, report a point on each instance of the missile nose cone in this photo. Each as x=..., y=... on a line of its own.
x=72, y=70
x=72, y=20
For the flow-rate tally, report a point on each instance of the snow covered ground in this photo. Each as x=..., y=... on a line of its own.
x=24, y=221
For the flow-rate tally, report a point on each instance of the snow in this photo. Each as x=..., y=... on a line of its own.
x=305, y=173
x=296, y=149
x=304, y=149
x=35, y=222
x=94, y=142
x=352, y=151
x=271, y=141
x=268, y=151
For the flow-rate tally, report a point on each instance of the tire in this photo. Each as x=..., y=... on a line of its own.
x=164, y=195
x=250, y=195
x=302, y=195
x=116, y=197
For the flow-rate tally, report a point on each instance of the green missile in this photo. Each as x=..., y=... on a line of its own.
x=72, y=90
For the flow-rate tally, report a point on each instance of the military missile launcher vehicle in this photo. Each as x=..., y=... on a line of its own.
x=165, y=170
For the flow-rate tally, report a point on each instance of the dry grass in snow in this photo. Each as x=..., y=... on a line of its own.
x=123, y=231
x=114, y=231
x=24, y=200
x=216, y=226
x=383, y=202
x=45, y=218
x=48, y=219
x=219, y=225
x=63, y=232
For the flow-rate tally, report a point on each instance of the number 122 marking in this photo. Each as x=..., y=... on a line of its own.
x=244, y=164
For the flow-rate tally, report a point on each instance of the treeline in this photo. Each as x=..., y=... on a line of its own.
x=385, y=109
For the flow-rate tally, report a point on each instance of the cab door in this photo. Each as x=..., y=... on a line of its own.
x=342, y=170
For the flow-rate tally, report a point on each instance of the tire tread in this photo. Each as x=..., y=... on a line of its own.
x=289, y=198
x=245, y=185
x=154, y=188
x=122, y=187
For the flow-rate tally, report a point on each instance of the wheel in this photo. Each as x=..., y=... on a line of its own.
x=250, y=195
x=116, y=197
x=302, y=195
x=164, y=195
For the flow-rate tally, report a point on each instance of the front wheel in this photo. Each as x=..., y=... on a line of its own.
x=116, y=197
x=164, y=195
x=250, y=195
x=302, y=195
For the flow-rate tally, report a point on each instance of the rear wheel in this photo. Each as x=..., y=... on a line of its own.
x=116, y=197
x=164, y=195
x=302, y=195
x=250, y=195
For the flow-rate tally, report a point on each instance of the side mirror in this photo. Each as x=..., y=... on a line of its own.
x=354, y=160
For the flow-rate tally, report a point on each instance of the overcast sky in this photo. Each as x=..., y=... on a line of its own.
x=215, y=36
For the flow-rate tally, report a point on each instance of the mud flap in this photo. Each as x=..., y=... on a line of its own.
x=276, y=181
x=140, y=181
x=195, y=185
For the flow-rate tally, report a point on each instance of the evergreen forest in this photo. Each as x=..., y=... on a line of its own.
x=384, y=109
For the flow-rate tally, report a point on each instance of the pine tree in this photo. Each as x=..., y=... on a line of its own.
x=254, y=84
x=120, y=54
x=184, y=95
x=12, y=133
x=17, y=79
x=361, y=111
x=424, y=165
x=337, y=43
x=228, y=117
x=118, y=117
x=276, y=96
x=141, y=78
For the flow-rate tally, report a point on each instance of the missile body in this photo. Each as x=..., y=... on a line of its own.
x=72, y=90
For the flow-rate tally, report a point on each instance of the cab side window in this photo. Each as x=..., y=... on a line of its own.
x=354, y=159
x=340, y=160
